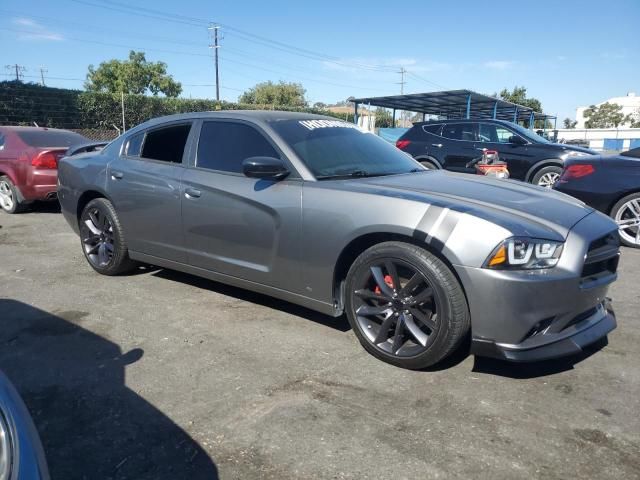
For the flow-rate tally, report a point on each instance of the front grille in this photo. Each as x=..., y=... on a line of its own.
x=602, y=258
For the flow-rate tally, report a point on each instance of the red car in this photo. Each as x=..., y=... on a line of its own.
x=29, y=164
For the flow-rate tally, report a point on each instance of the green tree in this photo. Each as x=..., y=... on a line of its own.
x=135, y=75
x=568, y=123
x=277, y=94
x=383, y=118
x=519, y=95
x=606, y=115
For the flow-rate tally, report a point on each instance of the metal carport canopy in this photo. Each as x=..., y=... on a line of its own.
x=455, y=104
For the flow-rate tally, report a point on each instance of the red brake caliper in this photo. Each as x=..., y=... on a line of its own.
x=388, y=280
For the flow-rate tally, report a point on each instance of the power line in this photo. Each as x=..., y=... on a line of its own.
x=198, y=22
x=418, y=77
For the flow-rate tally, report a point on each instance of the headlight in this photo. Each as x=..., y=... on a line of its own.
x=524, y=254
x=573, y=153
x=6, y=449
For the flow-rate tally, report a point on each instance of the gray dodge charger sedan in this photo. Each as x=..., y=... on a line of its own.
x=312, y=210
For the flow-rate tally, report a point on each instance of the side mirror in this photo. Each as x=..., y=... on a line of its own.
x=517, y=139
x=264, y=167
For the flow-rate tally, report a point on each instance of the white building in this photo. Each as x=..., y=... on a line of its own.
x=630, y=106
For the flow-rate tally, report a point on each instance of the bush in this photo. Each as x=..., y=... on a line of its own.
x=24, y=104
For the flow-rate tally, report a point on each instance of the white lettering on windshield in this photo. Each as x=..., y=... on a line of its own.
x=313, y=124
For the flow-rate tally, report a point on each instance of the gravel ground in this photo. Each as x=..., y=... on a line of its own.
x=162, y=375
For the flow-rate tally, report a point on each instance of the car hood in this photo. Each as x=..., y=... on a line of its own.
x=571, y=148
x=522, y=208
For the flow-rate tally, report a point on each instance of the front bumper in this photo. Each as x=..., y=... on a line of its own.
x=546, y=346
x=536, y=315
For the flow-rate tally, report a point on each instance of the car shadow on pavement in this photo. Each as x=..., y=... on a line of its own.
x=338, y=323
x=543, y=368
x=90, y=423
x=43, y=207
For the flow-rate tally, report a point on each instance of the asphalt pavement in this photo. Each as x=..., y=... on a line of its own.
x=162, y=375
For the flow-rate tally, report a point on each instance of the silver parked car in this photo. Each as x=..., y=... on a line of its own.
x=312, y=210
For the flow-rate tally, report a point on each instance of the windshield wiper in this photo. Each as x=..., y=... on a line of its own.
x=355, y=173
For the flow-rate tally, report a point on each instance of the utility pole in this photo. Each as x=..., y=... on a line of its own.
x=402, y=81
x=19, y=69
x=215, y=47
x=42, y=72
x=124, y=126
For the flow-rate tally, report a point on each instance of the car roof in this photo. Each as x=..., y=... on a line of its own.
x=459, y=120
x=266, y=116
x=15, y=128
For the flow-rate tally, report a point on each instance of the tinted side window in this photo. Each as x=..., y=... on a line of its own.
x=459, y=131
x=134, y=144
x=225, y=145
x=435, y=129
x=1, y=141
x=166, y=144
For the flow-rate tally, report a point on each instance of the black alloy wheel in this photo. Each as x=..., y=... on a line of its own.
x=102, y=238
x=396, y=308
x=405, y=305
x=96, y=231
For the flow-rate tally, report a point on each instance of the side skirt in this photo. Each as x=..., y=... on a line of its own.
x=317, y=305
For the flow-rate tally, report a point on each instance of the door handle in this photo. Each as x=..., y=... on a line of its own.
x=439, y=145
x=117, y=175
x=192, y=193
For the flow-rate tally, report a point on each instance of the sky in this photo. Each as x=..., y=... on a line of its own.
x=566, y=54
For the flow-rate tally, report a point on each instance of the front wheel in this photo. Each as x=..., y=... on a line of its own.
x=405, y=305
x=547, y=176
x=102, y=238
x=626, y=213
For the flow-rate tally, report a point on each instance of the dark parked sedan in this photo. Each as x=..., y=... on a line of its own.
x=610, y=184
x=314, y=211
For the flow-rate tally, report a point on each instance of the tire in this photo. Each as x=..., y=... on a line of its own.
x=426, y=319
x=102, y=239
x=547, y=176
x=10, y=197
x=429, y=164
x=626, y=213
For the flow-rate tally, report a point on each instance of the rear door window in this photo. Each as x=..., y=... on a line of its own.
x=434, y=129
x=223, y=146
x=166, y=144
x=459, y=131
x=1, y=141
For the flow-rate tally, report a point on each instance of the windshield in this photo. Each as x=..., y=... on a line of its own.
x=333, y=148
x=635, y=153
x=528, y=134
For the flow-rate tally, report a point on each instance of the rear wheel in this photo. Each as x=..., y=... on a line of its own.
x=429, y=164
x=10, y=197
x=626, y=213
x=547, y=176
x=102, y=239
x=405, y=306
